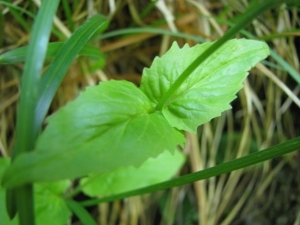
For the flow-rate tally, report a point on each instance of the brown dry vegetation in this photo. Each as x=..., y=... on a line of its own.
x=265, y=113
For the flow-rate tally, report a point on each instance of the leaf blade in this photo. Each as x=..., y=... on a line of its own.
x=107, y=127
x=209, y=89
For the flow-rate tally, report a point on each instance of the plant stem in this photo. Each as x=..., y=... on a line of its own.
x=249, y=15
x=25, y=200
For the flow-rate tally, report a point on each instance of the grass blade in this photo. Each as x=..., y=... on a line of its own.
x=19, y=17
x=294, y=74
x=19, y=54
x=60, y=64
x=68, y=14
x=251, y=159
x=26, y=127
x=151, y=30
x=1, y=29
x=12, y=6
x=81, y=213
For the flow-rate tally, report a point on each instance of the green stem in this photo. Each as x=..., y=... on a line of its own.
x=247, y=18
x=25, y=203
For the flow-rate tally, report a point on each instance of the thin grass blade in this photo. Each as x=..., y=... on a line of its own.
x=16, y=14
x=19, y=54
x=81, y=213
x=286, y=66
x=251, y=159
x=12, y=6
x=150, y=30
x=67, y=10
x=294, y=74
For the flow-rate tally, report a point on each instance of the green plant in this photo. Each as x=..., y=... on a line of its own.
x=156, y=111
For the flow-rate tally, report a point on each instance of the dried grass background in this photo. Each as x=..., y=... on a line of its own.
x=265, y=113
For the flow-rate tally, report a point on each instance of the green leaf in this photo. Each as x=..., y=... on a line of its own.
x=152, y=171
x=18, y=54
x=50, y=207
x=209, y=89
x=109, y=126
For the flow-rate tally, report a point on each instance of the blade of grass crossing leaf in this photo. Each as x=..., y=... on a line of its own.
x=248, y=16
x=62, y=61
x=26, y=126
x=18, y=54
x=294, y=74
x=251, y=159
x=81, y=213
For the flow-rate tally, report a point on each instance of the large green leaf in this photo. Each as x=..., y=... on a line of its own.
x=158, y=170
x=116, y=125
x=109, y=126
x=209, y=89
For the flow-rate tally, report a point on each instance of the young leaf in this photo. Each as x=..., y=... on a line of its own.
x=109, y=126
x=209, y=89
x=126, y=179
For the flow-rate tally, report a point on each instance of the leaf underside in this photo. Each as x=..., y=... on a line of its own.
x=121, y=180
x=107, y=127
x=115, y=124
